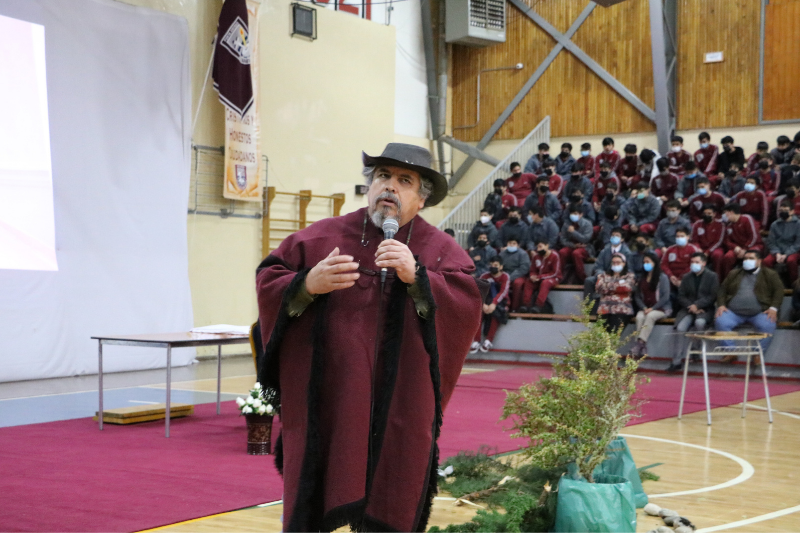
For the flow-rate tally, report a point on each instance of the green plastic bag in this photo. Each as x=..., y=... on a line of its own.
x=620, y=463
x=604, y=506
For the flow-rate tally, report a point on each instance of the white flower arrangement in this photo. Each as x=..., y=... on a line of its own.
x=255, y=403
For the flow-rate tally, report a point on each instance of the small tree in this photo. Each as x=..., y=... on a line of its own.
x=574, y=415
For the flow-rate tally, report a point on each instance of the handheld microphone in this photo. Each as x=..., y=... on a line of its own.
x=390, y=229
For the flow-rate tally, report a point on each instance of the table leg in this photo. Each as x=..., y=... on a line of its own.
x=746, y=380
x=685, y=376
x=169, y=386
x=219, y=374
x=764, y=377
x=100, y=379
x=705, y=381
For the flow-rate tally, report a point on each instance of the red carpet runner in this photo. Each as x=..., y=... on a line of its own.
x=68, y=476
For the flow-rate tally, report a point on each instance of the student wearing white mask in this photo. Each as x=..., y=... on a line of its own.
x=678, y=157
x=706, y=156
x=483, y=226
x=751, y=295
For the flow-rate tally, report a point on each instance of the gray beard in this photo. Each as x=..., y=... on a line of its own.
x=380, y=214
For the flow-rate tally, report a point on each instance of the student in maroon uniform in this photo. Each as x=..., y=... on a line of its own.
x=752, y=201
x=708, y=234
x=608, y=154
x=556, y=182
x=762, y=148
x=678, y=157
x=587, y=160
x=704, y=196
x=769, y=177
x=706, y=156
x=741, y=234
x=603, y=180
x=675, y=263
x=499, y=201
x=628, y=166
x=545, y=273
x=495, y=308
x=729, y=154
x=519, y=184
x=792, y=194
x=665, y=184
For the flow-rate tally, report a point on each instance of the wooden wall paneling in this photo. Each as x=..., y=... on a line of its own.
x=781, y=50
x=718, y=95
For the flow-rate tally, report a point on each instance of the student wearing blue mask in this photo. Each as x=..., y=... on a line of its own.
x=751, y=294
x=587, y=161
x=695, y=302
x=652, y=298
x=704, y=196
x=753, y=201
x=689, y=182
x=576, y=237
x=603, y=263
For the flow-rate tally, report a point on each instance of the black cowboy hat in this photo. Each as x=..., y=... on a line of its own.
x=414, y=158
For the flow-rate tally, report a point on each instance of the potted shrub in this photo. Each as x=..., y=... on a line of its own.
x=258, y=410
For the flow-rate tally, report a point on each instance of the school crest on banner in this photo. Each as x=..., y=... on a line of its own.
x=235, y=75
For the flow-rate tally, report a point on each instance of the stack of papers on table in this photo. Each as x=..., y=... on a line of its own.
x=223, y=328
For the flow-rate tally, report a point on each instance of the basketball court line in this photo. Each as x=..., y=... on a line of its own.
x=748, y=521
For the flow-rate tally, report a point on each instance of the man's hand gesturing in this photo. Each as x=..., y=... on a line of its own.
x=332, y=273
x=396, y=255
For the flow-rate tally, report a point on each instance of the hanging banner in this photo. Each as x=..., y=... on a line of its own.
x=235, y=73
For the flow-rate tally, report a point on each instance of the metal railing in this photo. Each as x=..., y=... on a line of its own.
x=463, y=216
x=205, y=188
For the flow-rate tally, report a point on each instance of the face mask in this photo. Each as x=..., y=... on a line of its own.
x=516, y=174
x=676, y=149
x=513, y=220
x=493, y=270
x=585, y=153
x=564, y=155
x=690, y=176
x=530, y=219
x=732, y=173
x=543, y=188
x=707, y=219
x=512, y=249
x=727, y=147
x=681, y=241
x=576, y=198
x=485, y=219
x=541, y=252
x=784, y=215
x=608, y=150
x=575, y=176
x=749, y=187
x=616, y=269
x=640, y=196
x=703, y=145
x=641, y=246
x=615, y=240
x=482, y=244
x=574, y=217
x=604, y=173
x=696, y=267
x=648, y=267
x=548, y=171
x=609, y=196
x=790, y=193
x=724, y=217
x=702, y=191
x=498, y=191
x=749, y=265
x=763, y=165
x=672, y=214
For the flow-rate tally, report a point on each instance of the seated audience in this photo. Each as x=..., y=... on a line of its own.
x=676, y=259
x=513, y=229
x=544, y=198
x=534, y=164
x=544, y=274
x=610, y=219
x=556, y=181
x=703, y=197
x=678, y=157
x=752, y=201
x=647, y=169
x=667, y=227
x=565, y=161
x=762, y=149
x=519, y=184
x=628, y=167
x=791, y=194
x=495, y=307
x=653, y=301
x=729, y=154
x=603, y=262
x=708, y=234
x=791, y=173
x=639, y=247
x=688, y=184
x=576, y=235
x=541, y=229
x=481, y=227
x=741, y=234
x=608, y=155
x=707, y=156
x=577, y=182
x=751, y=295
x=783, y=243
x=768, y=177
x=577, y=198
x=605, y=179
x=640, y=212
x=482, y=255
x=499, y=201
x=665, y=184
x=782, y=154
x=732, y=183
x=615, y=289
x=516, y=261
x=695, y=303
x=587, y=160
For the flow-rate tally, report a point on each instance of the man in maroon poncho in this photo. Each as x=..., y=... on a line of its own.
x=360, y=448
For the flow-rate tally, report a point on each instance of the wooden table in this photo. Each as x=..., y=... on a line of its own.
x=168, y=341
x=748, y=347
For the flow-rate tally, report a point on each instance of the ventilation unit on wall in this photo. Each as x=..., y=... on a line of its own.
x=476, y=22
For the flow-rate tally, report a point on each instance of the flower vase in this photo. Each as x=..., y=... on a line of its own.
x=259, y=431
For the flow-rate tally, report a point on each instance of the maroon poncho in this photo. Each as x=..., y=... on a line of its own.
x=321, y=362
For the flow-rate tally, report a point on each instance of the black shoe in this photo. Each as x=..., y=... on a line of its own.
x=671, y=369
x=535, y=310
x=523, y=309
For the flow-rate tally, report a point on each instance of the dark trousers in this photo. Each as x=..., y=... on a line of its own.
x=615, y=321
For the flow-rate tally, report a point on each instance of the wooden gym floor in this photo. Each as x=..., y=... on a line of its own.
x=738, y=474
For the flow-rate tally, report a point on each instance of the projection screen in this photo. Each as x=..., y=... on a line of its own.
x=94, y=176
